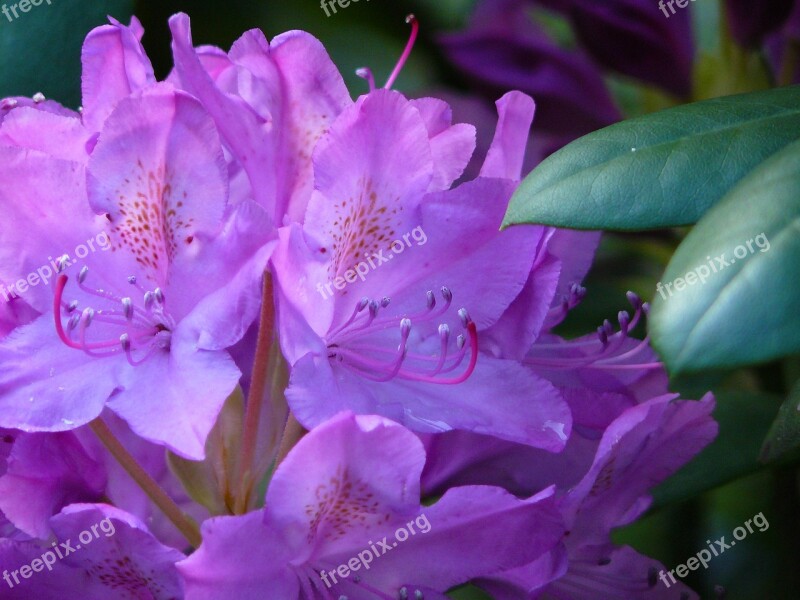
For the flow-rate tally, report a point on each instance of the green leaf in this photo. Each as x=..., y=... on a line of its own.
x=784, y=435
x=744, y=419
x=41, y=48
x=660, y=170
x=746, y=312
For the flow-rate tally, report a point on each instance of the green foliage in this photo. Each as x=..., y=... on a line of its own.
x=747, y=311
x=784, y=435
x=41, y=49
x=660, y=170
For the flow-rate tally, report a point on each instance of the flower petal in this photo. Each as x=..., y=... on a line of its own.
x=114, y=66
x=173, y=399
x=47, y=386
x=158, y=173
x=500, y=398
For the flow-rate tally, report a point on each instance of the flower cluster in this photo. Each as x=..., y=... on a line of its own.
x=435, y=388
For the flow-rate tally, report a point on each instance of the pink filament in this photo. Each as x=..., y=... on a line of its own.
x=406, y=53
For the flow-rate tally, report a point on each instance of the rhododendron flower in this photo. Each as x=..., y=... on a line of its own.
x=351, y=484
x=99, y=552
x=404, y=341
x=271, y=102
x=147, y=316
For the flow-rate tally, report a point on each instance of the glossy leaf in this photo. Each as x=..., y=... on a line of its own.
x=660, y=170
x=729, y=296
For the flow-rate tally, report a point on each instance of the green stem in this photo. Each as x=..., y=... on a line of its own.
x=291, y=435
x=159, y=497
x=255, y=397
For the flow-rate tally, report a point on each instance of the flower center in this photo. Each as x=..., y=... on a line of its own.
x=136, y=329
x=360, y=344
x=612, y=350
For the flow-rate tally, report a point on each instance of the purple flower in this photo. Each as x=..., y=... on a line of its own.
x=641, y=448
x=348, y=489
x=98, y=552
x=271, y=102
x=46, y=472
x=504, y=50
x=454, y=438
x=41, y=473
x=630, y=37
x=401, y=338
x=163, y=275
x=781, y=47
x=751, y=22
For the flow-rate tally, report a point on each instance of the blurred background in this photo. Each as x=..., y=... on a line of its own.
x=586, y=66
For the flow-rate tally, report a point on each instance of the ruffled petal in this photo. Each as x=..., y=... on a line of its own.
x=114, y=66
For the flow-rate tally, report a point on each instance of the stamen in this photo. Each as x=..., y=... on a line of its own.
x=444, y=338
x=62, y=262
x=568, y=302
x=147, y=331
x=406, y=53
x=366, y=73
x=376, y=362
x=603, y=336
x=431, y=300
x=127, y=308
x=86, y=316
x=610, y=343
x=360, y=305
x=624, y=320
